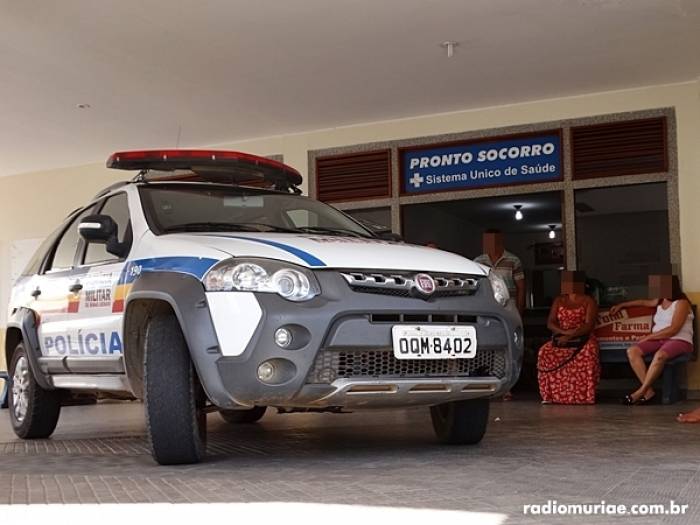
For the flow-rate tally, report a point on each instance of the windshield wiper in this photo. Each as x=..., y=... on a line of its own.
x=332, y=231
x=270, y=227
x=259, y=227
x=226, y=226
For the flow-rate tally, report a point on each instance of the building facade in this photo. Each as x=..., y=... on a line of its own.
x=664, y=184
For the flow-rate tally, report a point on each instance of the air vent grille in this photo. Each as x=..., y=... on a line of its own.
x=380, y=363
x=354, y=177
x=631, y=147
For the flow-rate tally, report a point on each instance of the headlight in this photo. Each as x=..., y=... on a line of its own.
x=500, y=290
x=261, y=275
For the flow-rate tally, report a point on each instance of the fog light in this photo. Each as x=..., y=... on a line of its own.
x=283, y=337
x=518, y=337
x=266, y=371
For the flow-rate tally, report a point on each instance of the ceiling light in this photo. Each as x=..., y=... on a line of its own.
x=518, y=213
x=552, y=234
x=449, y=46
x=83, y=106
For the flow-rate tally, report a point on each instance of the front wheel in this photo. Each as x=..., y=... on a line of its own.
x=174, y=399
x=461, y=422
x=33, y=411
x=250, y=415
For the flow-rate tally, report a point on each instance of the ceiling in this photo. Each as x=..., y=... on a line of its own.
x=217, y=71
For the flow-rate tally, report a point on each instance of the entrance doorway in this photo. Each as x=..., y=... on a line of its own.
x=535, y=237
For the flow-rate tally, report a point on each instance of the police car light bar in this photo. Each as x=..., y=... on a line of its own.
x=204, y=160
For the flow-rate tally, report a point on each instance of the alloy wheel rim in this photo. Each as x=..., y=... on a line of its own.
x=20, y=389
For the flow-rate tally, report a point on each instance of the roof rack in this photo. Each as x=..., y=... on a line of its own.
x=232, y=167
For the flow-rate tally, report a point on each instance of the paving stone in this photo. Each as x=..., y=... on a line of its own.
x=532, y=454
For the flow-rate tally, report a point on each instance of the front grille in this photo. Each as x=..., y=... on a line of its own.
x=403, y=284
x=380, y=363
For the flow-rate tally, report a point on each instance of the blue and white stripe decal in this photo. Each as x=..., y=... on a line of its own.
x=195, y=266
x=309, y=259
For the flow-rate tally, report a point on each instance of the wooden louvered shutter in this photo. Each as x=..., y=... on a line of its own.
x=631, y=147
x=354, y=176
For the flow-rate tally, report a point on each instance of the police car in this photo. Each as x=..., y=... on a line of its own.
x=208, y=283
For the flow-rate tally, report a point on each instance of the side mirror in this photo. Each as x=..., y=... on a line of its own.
x=102, y=229
x=98, y=228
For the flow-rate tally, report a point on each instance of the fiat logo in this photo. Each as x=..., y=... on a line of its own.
x=424, y=283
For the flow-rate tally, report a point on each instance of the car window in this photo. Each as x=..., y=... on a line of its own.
x=64, y=253
x=170, y=208
x=301, y=218
x=116, y=207
x=34, y=265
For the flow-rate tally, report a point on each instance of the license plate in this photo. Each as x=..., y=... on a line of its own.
x=434, y=342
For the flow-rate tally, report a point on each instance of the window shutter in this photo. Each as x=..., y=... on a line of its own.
x=631, y=147
x=354, y=177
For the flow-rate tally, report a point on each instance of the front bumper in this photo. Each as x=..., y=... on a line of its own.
x=343, y=358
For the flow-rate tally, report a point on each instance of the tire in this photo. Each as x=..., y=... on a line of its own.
x=175, y=417
x=235, y=417
x=461, y=422
x=34, y=411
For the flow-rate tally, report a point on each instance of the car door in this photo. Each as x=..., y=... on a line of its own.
x=24, y=289
x=56, y=293
x=99, y=328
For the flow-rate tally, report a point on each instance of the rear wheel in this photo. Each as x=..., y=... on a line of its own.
x=234, y=417
x=461, y=422
x=175, y=402
x=33, y=411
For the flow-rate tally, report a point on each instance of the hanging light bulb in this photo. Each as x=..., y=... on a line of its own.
x=518, y=213
x=552, y=234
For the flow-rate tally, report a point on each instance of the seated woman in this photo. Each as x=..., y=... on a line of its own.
x=567, y=366
x=671, y=335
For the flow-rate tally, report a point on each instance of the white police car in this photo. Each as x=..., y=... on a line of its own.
x=190, y=289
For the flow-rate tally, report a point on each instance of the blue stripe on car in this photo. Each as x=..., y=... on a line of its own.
x=195, y=266
x=301, y=254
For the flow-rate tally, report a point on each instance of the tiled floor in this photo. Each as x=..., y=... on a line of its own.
x=531, y=454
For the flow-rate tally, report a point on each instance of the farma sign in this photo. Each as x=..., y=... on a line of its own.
x=484, y=163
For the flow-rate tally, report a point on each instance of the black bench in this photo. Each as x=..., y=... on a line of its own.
x=615, y=352
x=3, y=397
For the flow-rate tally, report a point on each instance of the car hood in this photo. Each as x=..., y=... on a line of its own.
x=325, y=251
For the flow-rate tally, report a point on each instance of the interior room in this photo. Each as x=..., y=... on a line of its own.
x=535, y=237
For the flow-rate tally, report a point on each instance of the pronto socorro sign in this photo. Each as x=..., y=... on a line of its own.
x=470, y=165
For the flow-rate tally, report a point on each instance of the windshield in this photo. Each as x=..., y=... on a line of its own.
x=204, y=208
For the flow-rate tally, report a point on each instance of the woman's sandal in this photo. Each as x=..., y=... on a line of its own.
x=646, y=400
x=629, y=401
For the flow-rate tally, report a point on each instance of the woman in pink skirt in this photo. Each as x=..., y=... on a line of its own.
x=568, y=368
x=670, y=337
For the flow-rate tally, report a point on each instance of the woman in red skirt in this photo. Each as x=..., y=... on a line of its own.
x=568, y=368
